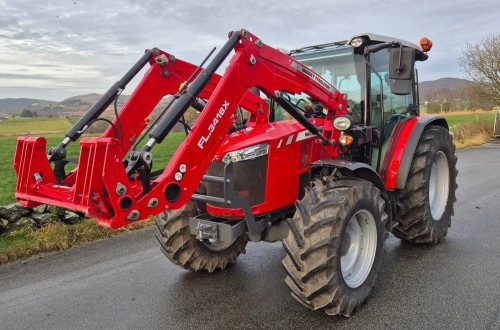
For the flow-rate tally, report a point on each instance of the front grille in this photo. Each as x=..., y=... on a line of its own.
x=249, y=179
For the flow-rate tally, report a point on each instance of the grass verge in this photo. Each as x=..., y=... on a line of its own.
x=472, y=133
x=470, y=129
x=57, y=237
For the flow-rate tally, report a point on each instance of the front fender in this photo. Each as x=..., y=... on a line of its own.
x=355, y=169
x=402, y=145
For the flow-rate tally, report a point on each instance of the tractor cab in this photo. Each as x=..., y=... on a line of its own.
x=378, y=76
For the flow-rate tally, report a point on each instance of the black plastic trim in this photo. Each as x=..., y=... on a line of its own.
x=357, y=169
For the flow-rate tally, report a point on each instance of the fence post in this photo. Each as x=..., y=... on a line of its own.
x=496, y=128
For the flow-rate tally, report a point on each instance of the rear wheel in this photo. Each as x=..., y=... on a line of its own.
x=425, y=205
x=182, y=248
x=335, y=245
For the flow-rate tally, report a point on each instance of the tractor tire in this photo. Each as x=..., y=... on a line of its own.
x=184, y=250
x=335, y=244
x=425, y=205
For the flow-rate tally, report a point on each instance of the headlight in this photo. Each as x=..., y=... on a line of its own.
x=247, y=153
x=342, y=123
x=357, y=42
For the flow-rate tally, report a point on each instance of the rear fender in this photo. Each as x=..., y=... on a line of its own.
x=402, y=145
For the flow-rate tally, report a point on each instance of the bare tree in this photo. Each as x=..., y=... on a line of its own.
x=481, y=63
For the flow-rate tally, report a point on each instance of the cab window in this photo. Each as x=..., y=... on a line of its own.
x=393, y=104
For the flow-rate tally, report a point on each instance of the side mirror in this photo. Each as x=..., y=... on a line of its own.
x=401, y=68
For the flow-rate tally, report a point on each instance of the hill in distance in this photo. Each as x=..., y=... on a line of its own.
x=443, y=83
x=79, y=104
x=11, y=105
x=444, y=87
x=75, y=105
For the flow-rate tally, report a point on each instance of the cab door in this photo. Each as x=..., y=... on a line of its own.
x=386, y=108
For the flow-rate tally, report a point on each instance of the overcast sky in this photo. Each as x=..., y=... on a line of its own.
x=60, y=48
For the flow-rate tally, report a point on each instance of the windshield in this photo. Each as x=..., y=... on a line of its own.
x=343, y=69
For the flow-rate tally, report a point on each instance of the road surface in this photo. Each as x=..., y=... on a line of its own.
x=126, y=283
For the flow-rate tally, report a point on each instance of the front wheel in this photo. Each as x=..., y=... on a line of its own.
x=183, y=249
x=425, y=205
x=335, y=245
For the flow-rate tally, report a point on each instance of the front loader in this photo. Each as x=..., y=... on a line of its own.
x=322, y=147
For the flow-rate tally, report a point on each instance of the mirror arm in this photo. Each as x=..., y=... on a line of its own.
x=376, y=48
x=400, y=68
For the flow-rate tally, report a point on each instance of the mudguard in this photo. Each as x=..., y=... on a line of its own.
x=402, y=145
x=357, y=169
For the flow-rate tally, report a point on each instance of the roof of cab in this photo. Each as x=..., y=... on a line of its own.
x=375, y=38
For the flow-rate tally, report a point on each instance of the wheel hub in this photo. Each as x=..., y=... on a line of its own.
x=439, y=185
x=358, y=249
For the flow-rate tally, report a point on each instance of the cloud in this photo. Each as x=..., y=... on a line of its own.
x=90, y=44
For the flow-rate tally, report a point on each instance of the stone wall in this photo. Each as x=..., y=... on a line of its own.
x=15, y=217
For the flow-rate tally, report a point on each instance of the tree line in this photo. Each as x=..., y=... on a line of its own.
x=480, y=62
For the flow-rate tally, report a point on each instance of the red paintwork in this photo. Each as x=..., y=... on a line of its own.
x=289, y=157
x=91, y=187
x=395, y=152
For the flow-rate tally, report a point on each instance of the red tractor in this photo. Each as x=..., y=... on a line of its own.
x=321, y=147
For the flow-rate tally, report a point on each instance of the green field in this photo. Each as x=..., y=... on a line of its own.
x=455, y=118
x=31, y=126
x=162, y=153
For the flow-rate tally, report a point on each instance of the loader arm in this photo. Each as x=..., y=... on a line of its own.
x=116, y=195
x=160, y=80
x=82, y=189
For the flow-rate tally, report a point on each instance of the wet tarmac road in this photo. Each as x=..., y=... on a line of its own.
x=126, y=283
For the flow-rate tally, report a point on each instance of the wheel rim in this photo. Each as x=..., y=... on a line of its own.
x=439, y=185
x=359, y=246
x=216, y=245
